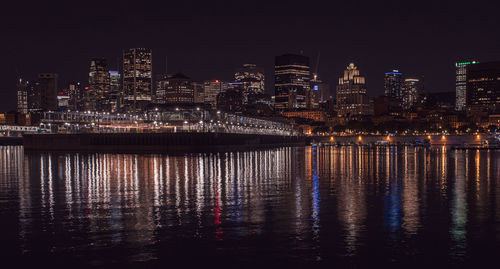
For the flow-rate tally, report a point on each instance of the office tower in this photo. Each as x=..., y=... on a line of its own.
x=178, y=90
x=319, y=93
x=291, y=85
x=137, y=77
x=34, y=96
x=22, y=96
x=409, y=92
x=115, y=93
x=251, y=79
x=211, y=89
x=199, y=92
x=114, y=81
x=483, y=86
x=47, y=84
x=75, y=96
x=392, y=84
x=351, y=94
x=98, y=95
x=461, y=84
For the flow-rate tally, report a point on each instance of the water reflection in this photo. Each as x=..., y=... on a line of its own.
x=311, y=204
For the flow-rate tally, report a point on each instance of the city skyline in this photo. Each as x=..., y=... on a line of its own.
x=376, y=30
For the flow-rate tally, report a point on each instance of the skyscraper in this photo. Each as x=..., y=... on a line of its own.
x=252, y=79
x=98, y=95
x=461, y=84
x=483, y=86
x=22, y=96
x=392, y=84
x=47, y=83
x=409, y=92
x=137, y=77
x=319, y=93
x=291, y=81
x=351, y=94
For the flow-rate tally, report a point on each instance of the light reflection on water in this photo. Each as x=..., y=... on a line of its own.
x=342, y=205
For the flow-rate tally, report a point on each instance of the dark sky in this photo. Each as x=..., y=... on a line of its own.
x=209, y=39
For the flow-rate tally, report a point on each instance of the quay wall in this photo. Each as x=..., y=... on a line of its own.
x=156, y=142
x=435, y=140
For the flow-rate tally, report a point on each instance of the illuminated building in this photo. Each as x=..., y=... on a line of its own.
x=483, y=86
x=409, y=92
x=114, y=81
x=461, y=84
x=137, y=77
x=22, y=96
x=291, y=81
x=351, y=94
x=198, y=91
x=75, y=96
x=47, y=84
x=252, y=79
x=315, y=115
x=211, y=89
x=97, y=98
x=319, y=93
x=115, y=95
x=178, y=90
x=392, y=84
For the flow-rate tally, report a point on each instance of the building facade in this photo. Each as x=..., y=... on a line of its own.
x=291, y=81
x=178, y=90
x=47, y=86
x=211, y=89
x=410, y=92
x=393, y=82
x=22, y=96
x=483, y=86
x=137, y=77
x=98, y=94
x=251, y=79
x=352, y=99
x=461, y=84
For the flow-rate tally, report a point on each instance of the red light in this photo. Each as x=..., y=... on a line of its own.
x=217, y=81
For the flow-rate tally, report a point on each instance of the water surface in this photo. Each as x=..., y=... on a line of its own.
x=348, y=206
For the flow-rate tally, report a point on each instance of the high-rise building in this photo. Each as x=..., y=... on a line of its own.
x=178, y=90
x=115, y=95
x=198, y=91
x=211, y=89
x=75, y=96
x=392, y=84
x=252, y=79
x=137, y=77
x=319, y=93
x=22, y=96
x=461, y=84
x=291, y=81
x=483, y=86
x=98, y=95
x=352, y=99
x=47, y=84
x=409, y=92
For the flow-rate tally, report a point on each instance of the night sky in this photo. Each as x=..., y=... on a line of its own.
x=209, y=39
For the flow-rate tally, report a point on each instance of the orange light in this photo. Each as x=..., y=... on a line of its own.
x=331, y=138
x=478, y=137
x=388, y=138
x=360, y=138
x=443, y=137
x=428, y=137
